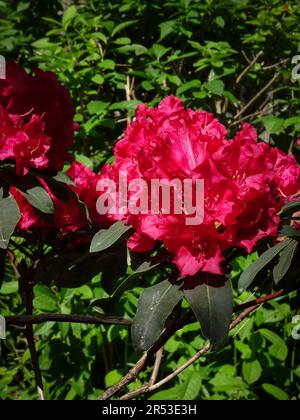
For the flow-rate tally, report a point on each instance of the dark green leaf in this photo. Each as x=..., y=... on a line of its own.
x=39, y=199
x=213, y=307
x=107, y=238
x=9, y=218
x=250, y=274
x=289, y=231
x=155, y=306
x=64, y=178
x=285, y=261
x=290, y=209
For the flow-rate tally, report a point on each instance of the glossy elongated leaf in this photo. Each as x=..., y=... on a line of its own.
x=64, y=178
x=285, y=261
x=275, y=392
x=145, y=268
x=290, y=209
x=106, y=238
x=9, y=218
x=40, y=199
x=290, y=232
x=250, y=274
x=155, y=306
x=213, y=307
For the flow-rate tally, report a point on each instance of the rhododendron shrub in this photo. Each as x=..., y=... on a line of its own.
x=246, y=184
x=250, y=199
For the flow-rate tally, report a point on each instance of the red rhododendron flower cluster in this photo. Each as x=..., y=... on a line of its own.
x=246, y=183
x=36, y=120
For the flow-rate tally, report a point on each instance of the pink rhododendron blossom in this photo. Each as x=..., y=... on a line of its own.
x=36, y=120
x=246, y=183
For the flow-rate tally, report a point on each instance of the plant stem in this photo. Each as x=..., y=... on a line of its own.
x=31, y=343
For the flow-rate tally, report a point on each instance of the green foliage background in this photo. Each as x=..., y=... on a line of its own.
x=196, y=50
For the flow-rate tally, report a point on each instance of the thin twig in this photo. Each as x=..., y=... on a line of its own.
x=245, y=71
x=30, y=340
x=261, y=92
x=76, y=319
x=279, y=63
x=259, y=301
x=262, y=111
x=155, y=372
x=35, y=361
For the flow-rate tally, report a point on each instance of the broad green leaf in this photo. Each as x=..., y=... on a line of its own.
x=273, y=124
x=279, y=348
x=9, y=288
x=39, y=199
x=250, y=274
x=224, y=383
x=98, y=79
x=213, y=307
x=44, y=299
x=191, y=387
x=187, y=391
x=216, y=87
x=112, y=378
x=285, y=261
x=166, y=28
x=159, y=51
x=193, y=84
x=97, y=107
x=252, y=371
x=64, y=178
x=123, y=26
x=9, y=218
x=105, y=239
x=43, y=44
x=275, y=392
x=68, y=16
x=220, y=21
x=155, y=306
